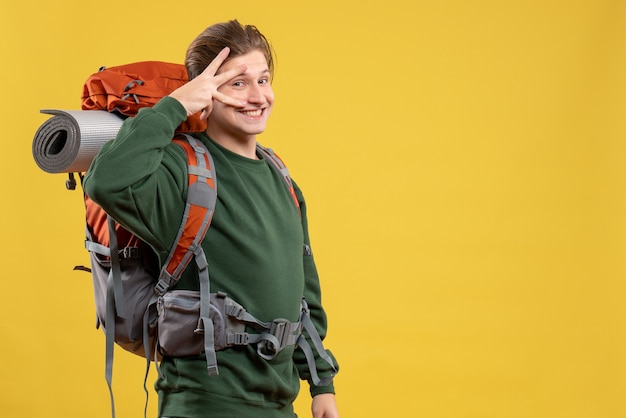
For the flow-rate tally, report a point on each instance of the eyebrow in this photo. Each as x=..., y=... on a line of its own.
x=265, y=71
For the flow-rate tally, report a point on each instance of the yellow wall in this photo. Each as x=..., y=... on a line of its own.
x=464, y=166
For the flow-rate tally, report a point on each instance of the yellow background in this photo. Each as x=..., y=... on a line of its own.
x=464, y=163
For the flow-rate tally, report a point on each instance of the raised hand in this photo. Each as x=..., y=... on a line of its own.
x=198, y=94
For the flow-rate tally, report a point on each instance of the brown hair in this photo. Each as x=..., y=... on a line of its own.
x=241, y=39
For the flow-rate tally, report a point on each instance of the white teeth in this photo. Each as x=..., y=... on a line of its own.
x=253, y=113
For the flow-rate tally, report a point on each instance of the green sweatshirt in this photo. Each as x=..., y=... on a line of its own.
x=255, y=252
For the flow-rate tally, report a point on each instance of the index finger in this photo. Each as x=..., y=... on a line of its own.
x=219, y=59
x=222, y=78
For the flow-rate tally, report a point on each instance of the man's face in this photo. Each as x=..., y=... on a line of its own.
x=251, y=87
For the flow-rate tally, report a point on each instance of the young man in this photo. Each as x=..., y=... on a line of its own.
x=255, y=243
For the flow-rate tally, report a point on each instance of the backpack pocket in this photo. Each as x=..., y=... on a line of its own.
x=179, y=312
x=137, y=285
x=179, y=328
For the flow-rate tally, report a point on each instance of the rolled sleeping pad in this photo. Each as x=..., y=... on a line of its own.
x=70, y=139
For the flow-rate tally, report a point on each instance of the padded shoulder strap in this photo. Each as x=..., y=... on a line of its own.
x=201, y=198
x=277, y=164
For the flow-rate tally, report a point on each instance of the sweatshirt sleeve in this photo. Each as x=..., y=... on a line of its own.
x=313, y=296
x=139, y=177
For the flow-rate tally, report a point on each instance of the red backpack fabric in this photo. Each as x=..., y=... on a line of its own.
x=125, y=89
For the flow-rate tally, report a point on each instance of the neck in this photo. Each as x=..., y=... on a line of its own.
x=246, y=147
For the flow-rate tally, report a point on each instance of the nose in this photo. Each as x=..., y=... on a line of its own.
x=256, y=94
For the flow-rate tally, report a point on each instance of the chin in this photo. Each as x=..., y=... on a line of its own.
x=256, y=131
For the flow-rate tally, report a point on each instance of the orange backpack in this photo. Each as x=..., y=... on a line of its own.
x=125, y=89
x=125, y=269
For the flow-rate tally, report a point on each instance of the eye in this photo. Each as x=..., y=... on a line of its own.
x=238, y=83
x=264, y=81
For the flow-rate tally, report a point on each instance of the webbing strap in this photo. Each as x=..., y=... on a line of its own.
x=199, y=171
x=115, y=274
x=239, y=312
x=319, y=347
x=147, y=351
x=205, y=324
x=126, y=253
x=280, y=333
x=97, y=248
x=109, y=338
x=277, y=164
x=115, y=294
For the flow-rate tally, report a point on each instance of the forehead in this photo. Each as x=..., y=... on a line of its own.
x=255, y=62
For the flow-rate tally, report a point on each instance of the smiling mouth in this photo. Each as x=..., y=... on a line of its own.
x=253, y=113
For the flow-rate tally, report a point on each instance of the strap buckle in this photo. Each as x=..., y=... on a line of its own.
x=161, y=287
x=239, y=338
x=286, y=332
x=128, y=253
